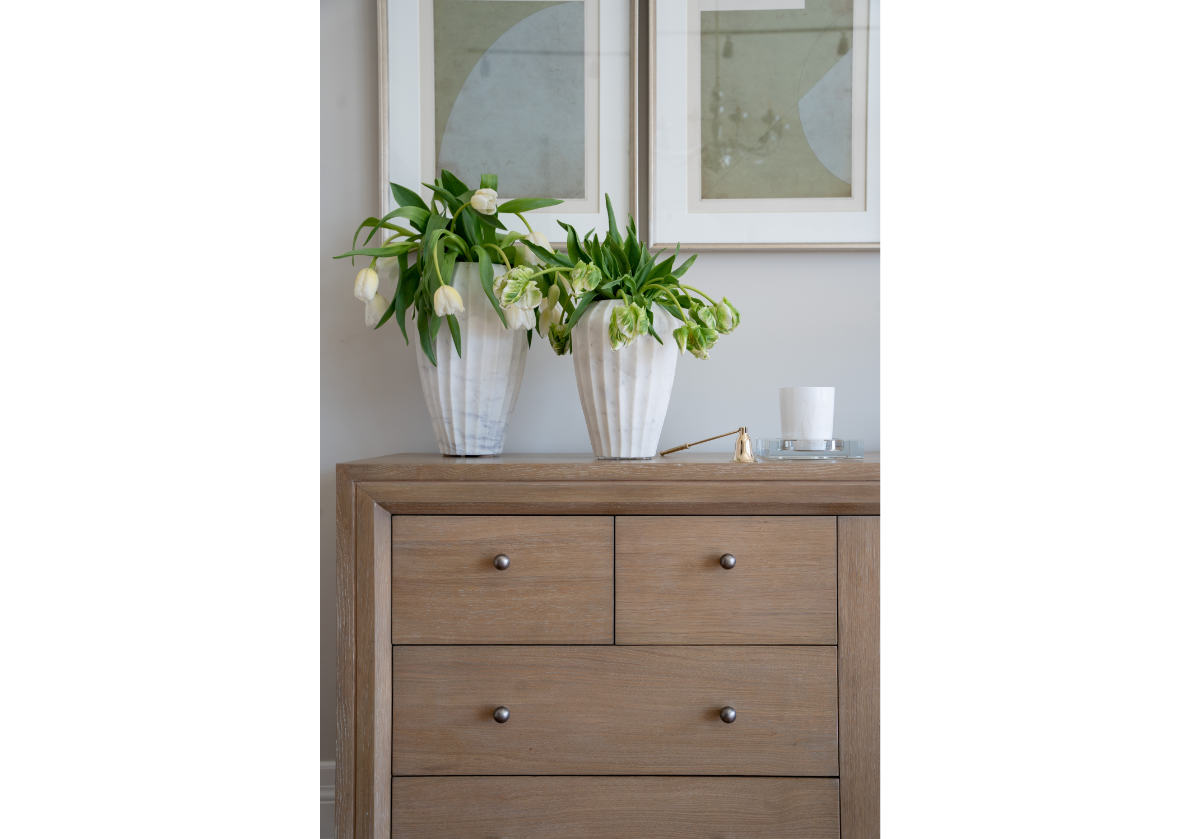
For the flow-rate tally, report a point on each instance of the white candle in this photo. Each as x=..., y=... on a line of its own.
x=806, y=413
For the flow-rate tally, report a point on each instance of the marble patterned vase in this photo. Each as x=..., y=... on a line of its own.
x=470, y=399
x=624, y=392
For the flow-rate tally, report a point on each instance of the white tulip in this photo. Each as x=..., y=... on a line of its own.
x=520, y=318
x=376, y=306
x=484, y=201
x=388, y=268
x=447, y=301
x=366, y=285
x=525, y=256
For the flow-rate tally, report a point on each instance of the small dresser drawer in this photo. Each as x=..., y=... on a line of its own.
x=614, y=808
x=554, y=584
x=780, y=586
x=614, y=710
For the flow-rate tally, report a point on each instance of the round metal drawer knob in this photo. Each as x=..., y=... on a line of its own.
x=728, y=715
x=501, y=561
x=501, y=714
x=727, y=562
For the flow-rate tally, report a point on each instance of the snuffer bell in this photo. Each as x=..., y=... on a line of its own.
x=743, y=450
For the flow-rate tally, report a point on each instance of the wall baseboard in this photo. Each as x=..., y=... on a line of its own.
x=327, y=799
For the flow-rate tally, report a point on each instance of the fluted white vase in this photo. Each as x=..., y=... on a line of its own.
x=624, y=392
x=471, y=398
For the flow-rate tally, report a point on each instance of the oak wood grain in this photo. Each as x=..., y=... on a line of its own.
x=627, y=497
x=680, y=467
x=372, y=713
x=614, y=808
x=615, y=710
x=344, y=781
x=558, y=588
x=858, y=675
x=671, y=588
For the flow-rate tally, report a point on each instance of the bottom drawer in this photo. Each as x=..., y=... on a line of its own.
x=614, y=808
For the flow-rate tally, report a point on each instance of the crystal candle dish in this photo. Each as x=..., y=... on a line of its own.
x=779, y=448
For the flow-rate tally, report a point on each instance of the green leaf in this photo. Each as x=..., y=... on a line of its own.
x=416, y=215
x=521, y=205
x=488, y=182
x=613, y=230
x=455, y=334
x=371, y=220
x=426, y=339
x=663, y=268
x=682, y=269
x=580, y=308
x=573, y=252
x=448, y=198
x=486, y=274
x=452, y=183
x=386, y=250
x=549, y=257
x=405, y=197
x=406, y=290
x=510, y=237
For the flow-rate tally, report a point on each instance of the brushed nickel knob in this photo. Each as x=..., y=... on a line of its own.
x=501, y=714
x=728, y=715
x=727, y=562
x=501, y=561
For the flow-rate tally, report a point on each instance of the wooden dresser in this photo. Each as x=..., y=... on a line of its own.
x=548, y=647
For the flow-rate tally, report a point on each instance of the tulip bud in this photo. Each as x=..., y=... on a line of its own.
x=724, y=320
x=550, y=309
x=735, y=315
x=681, y=337
x=366, y=285
x=376, y=306
x=701, y=339
x=560, y=338
x=447, y=301
x=540, y=239
x=484, y=201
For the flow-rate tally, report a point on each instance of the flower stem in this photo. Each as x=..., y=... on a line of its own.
x=521, y=216
x=698, y=291
x=498, y=250
x=450, y=226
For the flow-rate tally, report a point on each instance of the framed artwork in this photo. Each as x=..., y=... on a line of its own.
x=539, y=93
x=764, y=123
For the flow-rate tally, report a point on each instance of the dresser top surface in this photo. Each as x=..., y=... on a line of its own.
x=684, y=466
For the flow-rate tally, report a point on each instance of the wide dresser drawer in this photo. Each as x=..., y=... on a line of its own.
x=726, y=580
x=553, y=583
x=614, y=808
x=580, y=710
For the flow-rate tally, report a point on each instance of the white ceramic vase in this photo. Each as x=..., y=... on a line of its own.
x=471, y=398
x=624, y=392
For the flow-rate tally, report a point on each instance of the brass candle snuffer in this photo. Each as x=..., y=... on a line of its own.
x=743, y=451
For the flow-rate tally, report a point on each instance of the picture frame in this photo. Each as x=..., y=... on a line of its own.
x=408, y=147
x=712, y=163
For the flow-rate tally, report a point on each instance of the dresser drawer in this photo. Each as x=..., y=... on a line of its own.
x=556, y=588
x=672, y=589
x=614, y=710
x=614, y=808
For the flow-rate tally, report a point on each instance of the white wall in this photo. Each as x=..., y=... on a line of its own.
x=807, y=318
